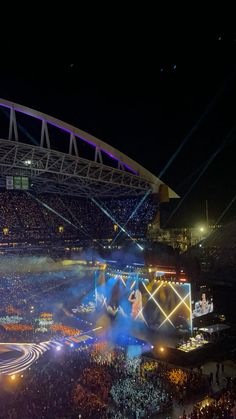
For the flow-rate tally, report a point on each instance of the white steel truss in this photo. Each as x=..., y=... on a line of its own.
x=53, y=171
x=69, y=172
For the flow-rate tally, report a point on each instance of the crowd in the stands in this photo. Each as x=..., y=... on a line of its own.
x=23, y=218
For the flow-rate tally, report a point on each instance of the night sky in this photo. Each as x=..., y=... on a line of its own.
x=146, y=111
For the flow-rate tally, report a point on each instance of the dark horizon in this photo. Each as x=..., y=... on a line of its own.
x=147, y=115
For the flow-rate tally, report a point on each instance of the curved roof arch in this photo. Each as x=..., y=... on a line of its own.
x=123, y=161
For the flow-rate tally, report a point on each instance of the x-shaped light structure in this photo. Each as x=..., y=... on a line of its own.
x=168, y=316
x=157, y=304
x=182, y=301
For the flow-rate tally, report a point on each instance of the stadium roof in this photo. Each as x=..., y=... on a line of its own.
x=106, y=173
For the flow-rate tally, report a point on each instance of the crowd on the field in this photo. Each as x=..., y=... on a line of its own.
x=70, y=383
x=224, y=406
x=67, y=384
x=25, y=297
x=24, y=218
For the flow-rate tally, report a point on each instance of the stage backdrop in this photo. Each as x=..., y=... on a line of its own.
x=161, y=305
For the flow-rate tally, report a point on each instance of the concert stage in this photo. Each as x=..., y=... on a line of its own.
x=165, y=349
x=154, y=304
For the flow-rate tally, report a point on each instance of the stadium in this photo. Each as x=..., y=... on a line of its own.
x=79, y=296
x=70, y=180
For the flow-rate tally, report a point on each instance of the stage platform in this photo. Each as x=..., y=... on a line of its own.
x=165, y=348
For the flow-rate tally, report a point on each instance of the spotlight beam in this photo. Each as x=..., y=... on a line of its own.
x=225, y=210
x=133, y=213
x=74, y=217
x=229, y=137
x=60, y=216
x=115, y=222
x=209, y=107
x=22, y=129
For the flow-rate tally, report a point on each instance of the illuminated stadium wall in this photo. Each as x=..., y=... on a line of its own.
x=161, y=305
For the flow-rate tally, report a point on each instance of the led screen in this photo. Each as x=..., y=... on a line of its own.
x=203, y=304
x=17, y=182
x=167, y=305
x=158, y=304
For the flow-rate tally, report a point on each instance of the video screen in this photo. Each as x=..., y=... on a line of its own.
x=167, y=305
x=202, y=304
x=158, y=304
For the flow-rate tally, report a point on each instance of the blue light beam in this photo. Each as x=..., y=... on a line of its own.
x=115, y=222
x=60, y=216
x=209, y=161
x=209, y=107
x=133, y=213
